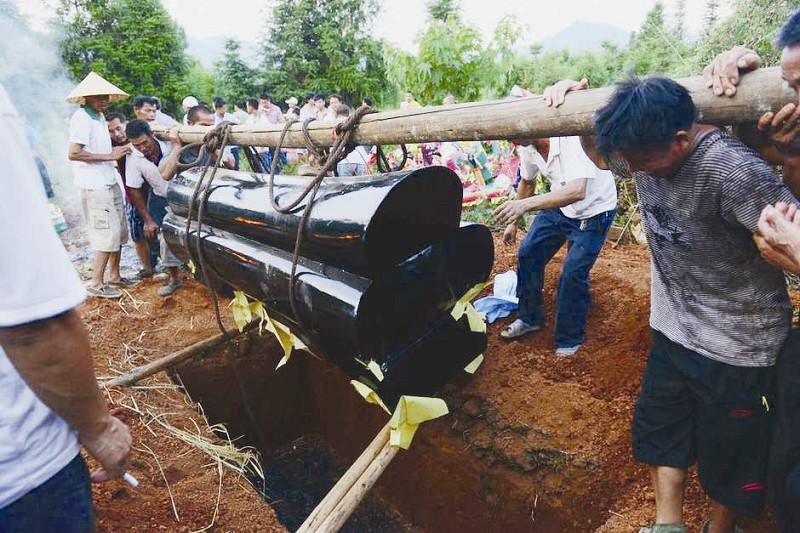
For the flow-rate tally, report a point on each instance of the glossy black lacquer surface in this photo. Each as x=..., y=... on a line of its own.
x=363, y=224
x=354, y=306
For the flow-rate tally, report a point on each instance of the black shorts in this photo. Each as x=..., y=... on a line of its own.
x=693, y=408
x=785, y=463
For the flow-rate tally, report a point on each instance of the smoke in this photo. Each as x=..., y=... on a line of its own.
x=34, y=76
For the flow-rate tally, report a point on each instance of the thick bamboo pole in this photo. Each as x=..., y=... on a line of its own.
x=346, y=483
x=759, y=92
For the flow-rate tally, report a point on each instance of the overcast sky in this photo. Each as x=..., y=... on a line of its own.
x=400, y=20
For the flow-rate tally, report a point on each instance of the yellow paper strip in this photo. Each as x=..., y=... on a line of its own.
x=411, y=411
x=369, y=395
x=474, y=365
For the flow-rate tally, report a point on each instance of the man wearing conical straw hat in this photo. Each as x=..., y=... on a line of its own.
x=97, y=179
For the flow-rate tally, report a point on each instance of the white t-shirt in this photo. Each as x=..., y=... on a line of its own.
x=567, y=162
x=37, y=281
x=139, y=169
x=93, y=135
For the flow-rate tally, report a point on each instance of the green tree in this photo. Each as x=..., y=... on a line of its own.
x=451, y=59
x=753, y=23
x=233, y=78
x=132, y=43
x=324, y=45
x=657, y=48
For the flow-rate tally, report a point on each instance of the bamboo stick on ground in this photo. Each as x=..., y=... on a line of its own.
x=345, y=483
x=153, y=367
x=759, y=92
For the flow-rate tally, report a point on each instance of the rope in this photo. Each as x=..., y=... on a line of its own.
x=328, y=159
x=216, y=139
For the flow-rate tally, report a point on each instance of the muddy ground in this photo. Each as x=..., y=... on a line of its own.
x=533, y=442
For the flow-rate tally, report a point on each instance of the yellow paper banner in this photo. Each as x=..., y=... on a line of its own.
x=375, y=368
x=474, y=365
x=411, y=411
x=243, y=313
x=369, y=395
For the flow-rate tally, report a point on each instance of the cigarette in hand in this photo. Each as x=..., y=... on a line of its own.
x=132, y=481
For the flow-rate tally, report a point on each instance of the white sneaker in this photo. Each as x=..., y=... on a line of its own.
x=567, y=351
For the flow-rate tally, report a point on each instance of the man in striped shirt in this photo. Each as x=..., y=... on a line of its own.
x=719, y=312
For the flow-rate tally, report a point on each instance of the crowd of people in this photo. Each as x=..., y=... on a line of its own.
x=720, y=385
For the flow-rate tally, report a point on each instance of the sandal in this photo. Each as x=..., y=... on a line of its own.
x=123, y=282
x=104, y=292
x=518, y=328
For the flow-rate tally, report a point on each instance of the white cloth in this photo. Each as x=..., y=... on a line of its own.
x=93, y=135
x=567, y=162
x=230, y=117
x=359, y=156
x=308, y=111
x=162, y=119
x=139, y=169
x=37, y=281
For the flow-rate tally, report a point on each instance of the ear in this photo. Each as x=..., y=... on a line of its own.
x=683, y=140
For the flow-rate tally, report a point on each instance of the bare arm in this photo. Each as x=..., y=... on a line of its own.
x=168, y=166
x=77, y=152
x=526, y=189
x=53, y=357
x=513, y=210
x=137, y=199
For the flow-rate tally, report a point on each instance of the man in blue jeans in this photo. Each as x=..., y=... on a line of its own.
x=579, y=208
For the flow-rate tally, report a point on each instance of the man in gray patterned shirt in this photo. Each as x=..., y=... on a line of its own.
x=719, y=312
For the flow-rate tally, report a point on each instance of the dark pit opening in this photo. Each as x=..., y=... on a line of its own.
x=313, y=425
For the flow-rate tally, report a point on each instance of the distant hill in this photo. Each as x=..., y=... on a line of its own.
x=210, y=49
x=582, y=36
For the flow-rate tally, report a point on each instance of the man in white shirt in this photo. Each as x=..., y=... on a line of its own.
x=93, y=159
x=579, y=208
x=155, y=162
x=49, y=399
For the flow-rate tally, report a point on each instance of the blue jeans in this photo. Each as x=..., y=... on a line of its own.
x=550, y=229
x=63, y=503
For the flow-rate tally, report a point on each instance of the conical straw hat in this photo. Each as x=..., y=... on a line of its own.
x=94, y=85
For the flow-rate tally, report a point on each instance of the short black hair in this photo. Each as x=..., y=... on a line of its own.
x=789, y=34
x=319, y=96
x=265, y=96
x=191, y=115
x=218, y=102
x=368, y=101
x=309, y=96
x=139, y=101
x=137, y=128
x=116, y=115
x=156, y=102
x=253, y=102
x=643, y=114
x=240, y=104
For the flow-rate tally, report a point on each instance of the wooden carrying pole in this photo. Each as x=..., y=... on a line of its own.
x=759, y=92
x=139, y=373
x=346, y=483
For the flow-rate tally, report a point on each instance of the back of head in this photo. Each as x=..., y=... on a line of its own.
x=789, y=34
x=116, y=115
x=341, y=110
x=136, y=128
x=643, y=114
x=194, y=114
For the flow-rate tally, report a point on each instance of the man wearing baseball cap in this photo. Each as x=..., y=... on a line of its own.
x=293, y=111
x=97, y=179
